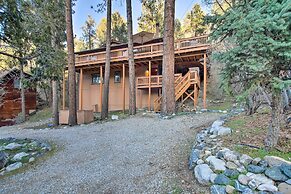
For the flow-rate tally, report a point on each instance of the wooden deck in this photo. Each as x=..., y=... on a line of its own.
x=182, y=46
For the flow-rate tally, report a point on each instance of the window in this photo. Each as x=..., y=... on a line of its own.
x=117, y=77
x=96, y=78
x=16, y=83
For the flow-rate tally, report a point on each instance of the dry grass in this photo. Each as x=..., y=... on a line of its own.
x=252, y=130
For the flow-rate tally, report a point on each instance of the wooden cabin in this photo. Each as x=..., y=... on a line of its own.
x=10, y=97
x=190, y=69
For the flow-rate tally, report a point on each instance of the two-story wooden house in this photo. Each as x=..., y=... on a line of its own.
x=190, y=67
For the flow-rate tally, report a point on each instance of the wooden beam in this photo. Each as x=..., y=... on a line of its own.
x=205, y=82
x=150, y=75
x=64, y=90
x=123, y=87
x=100, y=87
x=81, y=90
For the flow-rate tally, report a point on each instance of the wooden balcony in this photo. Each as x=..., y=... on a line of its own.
x=155, y=81
x=145, y=51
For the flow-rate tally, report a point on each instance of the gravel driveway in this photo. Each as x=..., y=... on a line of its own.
x=141, y=154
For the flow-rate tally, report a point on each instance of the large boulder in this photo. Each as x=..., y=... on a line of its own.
x=217, y=189
x=202, y=173
x=275, y=161
x=276, y=174
x=3, y=159
x=244, y=179
x=216, y=164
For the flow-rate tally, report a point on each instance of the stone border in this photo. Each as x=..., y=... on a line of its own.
x=226, y=171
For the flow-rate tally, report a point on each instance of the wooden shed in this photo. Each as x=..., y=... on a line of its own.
x=10, y=97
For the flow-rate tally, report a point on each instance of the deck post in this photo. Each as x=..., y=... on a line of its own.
x=64, y=90
x=205, y=81
x=150, y=75
x=123, y=87
x=81, y=90
x=100, y=87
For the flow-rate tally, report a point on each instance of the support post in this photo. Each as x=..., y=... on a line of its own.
x=100, y=87
x=205, y=81
x=81, y=90
x=150, y=75
x=64, y=90
x=123, y=87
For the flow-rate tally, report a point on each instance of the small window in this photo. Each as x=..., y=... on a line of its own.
x=16, y=83
x=96, y=79
x=117, y=77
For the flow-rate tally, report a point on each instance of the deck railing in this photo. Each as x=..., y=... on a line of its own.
x=156, y=81
x=140, y=51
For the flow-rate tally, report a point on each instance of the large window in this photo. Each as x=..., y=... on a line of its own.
x=16, y=83
x=96, y=78
x=117, y=77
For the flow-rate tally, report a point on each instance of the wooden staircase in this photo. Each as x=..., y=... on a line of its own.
x=182, y=84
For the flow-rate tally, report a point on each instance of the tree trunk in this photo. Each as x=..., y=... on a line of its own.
x=104, y=112
x=168, y=88
x=71, y=65
x=23, y=112
x=276, y=119
x=55, y=103
x=132, y=89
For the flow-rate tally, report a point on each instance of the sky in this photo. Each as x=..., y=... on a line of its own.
x=83, y=8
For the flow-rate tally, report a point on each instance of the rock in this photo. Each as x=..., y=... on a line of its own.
x=3, y=159
x=212, y=177
x=260, y=178
x=194, y=157
x=231, y=173
x=221, y=179
x=245, y=159
x=217, y=189
x=286, y=169
x=12, y=146
x=255, y=169
x=288, y=181
x=239, y=187
x=230, y=156
x=217, y=123
x=202, y=173
x=200, y=137
x=276, y=174
x=114, y=117
x=216, y=163
x=253, y=184
x=13, y=166
x=241, y=169
x=212, y=136
x=231, y=165
x=229, y=189
x=223, y=131
x=247, y=191
x=19, y=156
x=243, y=179
x=284, y=188
x=32, y=159
x=207, y=153
x=275, y=161
x=256, y=161
x=267, y=187
x=200, y=161
x=263, y=164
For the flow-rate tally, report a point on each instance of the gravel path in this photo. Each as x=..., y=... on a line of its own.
x=141, y=154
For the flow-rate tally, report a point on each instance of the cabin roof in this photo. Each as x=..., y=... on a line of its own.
x=14, y=72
